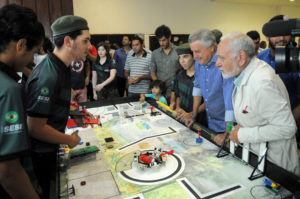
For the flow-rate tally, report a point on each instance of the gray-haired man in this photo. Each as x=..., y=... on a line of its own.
x=260, y=100
x=210, y=85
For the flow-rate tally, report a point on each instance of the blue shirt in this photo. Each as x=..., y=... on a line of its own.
x=216, y=92
x=120, y=59
x=161, y=99
x=238, y=80
x=290, y=80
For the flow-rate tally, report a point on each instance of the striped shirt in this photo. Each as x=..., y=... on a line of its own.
x=138, y=66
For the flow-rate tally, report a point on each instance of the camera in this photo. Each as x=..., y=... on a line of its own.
x=287, y=59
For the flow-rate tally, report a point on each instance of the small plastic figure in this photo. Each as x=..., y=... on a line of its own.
x=199, y=139
x=153, y=158
x=153, y=112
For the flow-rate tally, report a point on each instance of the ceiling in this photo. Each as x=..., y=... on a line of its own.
x=264, y=2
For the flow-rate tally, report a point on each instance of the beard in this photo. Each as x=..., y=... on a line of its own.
x=166, y=46
x=279, y=43
x=235, y=71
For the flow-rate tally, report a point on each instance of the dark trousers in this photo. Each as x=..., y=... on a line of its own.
x=90, y=93
x=44, y=166
x=107, y=93
x=121, y=84
x=201, y=118
x=3, y=194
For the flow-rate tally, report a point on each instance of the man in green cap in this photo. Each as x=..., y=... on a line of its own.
x=48, y=92
x=21, y=35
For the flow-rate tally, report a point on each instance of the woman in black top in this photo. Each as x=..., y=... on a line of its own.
x=104, y=73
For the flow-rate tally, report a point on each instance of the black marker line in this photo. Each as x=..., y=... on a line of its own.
x=173, y=131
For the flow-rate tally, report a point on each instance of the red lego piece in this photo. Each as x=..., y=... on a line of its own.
x=71, y=123
x=88, y=118
x=146, y=158
x=91, y=121
x=167, y=153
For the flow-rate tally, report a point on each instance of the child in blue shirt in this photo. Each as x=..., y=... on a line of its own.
x=158, y=88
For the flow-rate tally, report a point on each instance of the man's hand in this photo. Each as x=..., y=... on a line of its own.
x=220, y=137
x=75, y=139
x=189, y=120
x=95, y=96
x=87, y=81
x=73, y=94
x=142, y=97
x=76, y=96
x=99, y=87
x=130, y=81
x=181, y=114
x=137, y=79
x=172, y=106
x=233, y=135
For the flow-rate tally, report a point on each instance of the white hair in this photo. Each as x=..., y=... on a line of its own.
x=239, y=41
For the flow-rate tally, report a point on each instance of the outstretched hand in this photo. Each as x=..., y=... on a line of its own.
x=75, y=139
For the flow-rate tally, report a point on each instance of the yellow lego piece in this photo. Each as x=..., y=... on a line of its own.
x=166, y=107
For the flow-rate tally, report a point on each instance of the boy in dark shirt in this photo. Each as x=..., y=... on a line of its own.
x=183, y=84
x=21, y=36
x=48, y=92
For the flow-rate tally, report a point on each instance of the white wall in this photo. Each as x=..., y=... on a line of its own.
x=293, y=12
x=182, y=16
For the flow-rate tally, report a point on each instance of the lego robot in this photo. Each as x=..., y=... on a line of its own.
x=152, y=159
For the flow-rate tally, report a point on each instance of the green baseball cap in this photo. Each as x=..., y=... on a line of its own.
x=184, y=49
x=68, y=23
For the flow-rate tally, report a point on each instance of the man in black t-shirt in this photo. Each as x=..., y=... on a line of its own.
x=48, y=90
x=21, y=36
x=80, y=77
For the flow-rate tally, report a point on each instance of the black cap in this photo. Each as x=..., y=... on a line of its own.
x=184, y=49
x=280, y=18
